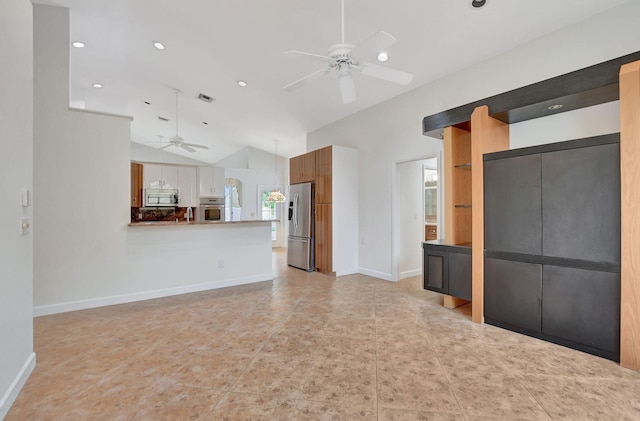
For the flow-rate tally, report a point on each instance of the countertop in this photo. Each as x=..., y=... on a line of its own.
x=183, y=223
x=444, y=246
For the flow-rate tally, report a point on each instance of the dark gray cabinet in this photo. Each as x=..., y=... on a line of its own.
x=581, y=203
x=447, y=269
x=460, y=275
x=561, y=282
x=577, y=306
x=436, y=265
x=512, y=198
x=512, y=294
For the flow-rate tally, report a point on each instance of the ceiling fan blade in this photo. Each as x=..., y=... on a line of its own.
x=193, y=145
x=186, y=148
x=308, y=55
x=385, y=73
x=165, y=146
x=347, y=88
x=313, y=76
x=377, y=43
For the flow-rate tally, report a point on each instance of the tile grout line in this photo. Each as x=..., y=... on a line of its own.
x=375, y=325
x=446, y=373
x=257, y=353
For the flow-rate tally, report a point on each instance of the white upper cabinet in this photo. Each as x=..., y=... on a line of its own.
x=160, y=176
x=211, y=181
x=187, y=186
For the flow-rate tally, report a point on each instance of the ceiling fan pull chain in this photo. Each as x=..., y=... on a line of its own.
x=177, y=93
x=343, y=21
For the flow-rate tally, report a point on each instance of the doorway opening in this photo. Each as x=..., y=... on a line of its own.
x=419, y=212
x=233, y=200
x=271, y=211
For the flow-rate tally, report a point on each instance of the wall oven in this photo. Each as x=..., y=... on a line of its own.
x=211, y=209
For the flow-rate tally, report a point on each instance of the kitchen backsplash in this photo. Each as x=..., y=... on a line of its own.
x=159, y=214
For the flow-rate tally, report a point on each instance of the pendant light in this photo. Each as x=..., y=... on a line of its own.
x=276, y=196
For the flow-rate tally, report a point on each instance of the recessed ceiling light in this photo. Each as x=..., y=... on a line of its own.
x=97, y=85
x=158, y=45
x=383, y=56
x=242, y=83
x=476, y=4
x=555, y=107
x=78, y=44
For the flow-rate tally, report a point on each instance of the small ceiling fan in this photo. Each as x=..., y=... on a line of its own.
x=177, y=140
x=344, y=58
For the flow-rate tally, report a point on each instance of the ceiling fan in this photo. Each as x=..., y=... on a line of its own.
x=345, y=58
x=177, y=140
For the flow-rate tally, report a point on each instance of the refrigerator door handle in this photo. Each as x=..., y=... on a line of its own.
x=296, y=213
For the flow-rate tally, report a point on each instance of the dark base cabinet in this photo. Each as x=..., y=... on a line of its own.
x=447, y=269
x=552, y=243
x=512, y=294
x=460, y=275
x=580, y=306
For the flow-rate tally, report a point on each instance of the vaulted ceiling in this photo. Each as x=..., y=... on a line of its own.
x=211, y=44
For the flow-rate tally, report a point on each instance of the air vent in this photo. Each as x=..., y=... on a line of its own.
x=163, y=119
x=205, y=98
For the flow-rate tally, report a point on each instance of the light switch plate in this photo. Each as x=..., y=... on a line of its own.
x=25, y=198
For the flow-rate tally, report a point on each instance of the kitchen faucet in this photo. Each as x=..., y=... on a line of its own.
x=189, y=214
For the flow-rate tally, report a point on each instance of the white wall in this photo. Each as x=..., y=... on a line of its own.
x=258, y=168
x=16, y=251
x=85, y=255
x=391, y=132
x=344, y=166
x=586, y=122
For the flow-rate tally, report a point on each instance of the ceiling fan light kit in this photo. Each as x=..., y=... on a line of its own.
x=344, y=58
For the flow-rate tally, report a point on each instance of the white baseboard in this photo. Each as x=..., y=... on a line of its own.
x=16, y=386
x=376, y=274
x=144, y=295
x=410, y=273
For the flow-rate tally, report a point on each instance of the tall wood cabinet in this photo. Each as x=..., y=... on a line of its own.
x=324, y=237
x=323, y=179
x=302, y=168
x=136, y=185
x=336, y=205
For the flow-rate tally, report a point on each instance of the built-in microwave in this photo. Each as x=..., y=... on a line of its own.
x=160, y=197
x=211, y=209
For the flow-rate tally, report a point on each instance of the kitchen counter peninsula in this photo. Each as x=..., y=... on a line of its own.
x=168, y=258
x=183, y=223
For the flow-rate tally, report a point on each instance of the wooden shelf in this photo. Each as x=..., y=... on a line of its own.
x=457, y=166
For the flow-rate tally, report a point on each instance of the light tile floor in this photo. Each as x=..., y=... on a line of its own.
x=310, y=347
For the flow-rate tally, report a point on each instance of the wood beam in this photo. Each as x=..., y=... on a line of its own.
x=487, y=135
x=630, y=215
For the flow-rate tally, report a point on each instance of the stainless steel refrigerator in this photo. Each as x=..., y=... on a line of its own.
x=300, y=248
